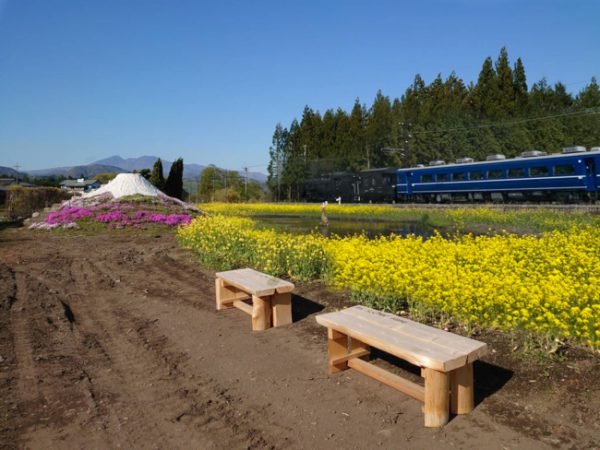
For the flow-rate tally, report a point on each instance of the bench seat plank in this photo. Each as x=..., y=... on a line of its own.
x=418, y=344
x=255, y=283
x=453, y=342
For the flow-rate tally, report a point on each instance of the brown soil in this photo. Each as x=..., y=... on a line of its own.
x=112, y=341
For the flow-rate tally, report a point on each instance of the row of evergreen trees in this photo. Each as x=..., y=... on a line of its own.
x=173, y=185
x=445, y=119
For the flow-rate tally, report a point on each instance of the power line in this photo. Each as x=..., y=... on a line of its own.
x=589, y=111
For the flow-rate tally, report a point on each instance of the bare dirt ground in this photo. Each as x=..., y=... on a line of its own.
x=112, y=341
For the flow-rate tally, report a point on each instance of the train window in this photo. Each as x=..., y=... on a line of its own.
x=458, y=176
x=564, y=169
x=494, y=174
x=427, y=178
x=476, y=175
x=538, y=171
x=516, y=172
x=441, y=177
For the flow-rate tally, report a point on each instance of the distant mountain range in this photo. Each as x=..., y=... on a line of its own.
x=9, y=172
x=86, y=171
x=119, y=165
x=146, y=162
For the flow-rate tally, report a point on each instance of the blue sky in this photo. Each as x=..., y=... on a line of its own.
x=83, y=80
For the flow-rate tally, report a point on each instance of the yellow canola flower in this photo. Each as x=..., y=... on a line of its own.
x=547, y=285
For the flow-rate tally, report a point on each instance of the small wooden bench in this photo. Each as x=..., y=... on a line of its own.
x=271, y=297
x=446, y=359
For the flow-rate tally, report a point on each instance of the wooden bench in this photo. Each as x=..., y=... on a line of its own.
x=271, y=297
x=446, y=359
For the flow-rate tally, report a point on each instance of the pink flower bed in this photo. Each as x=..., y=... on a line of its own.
x=112, y=214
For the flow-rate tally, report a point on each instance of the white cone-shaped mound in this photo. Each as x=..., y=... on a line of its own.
x=126, y=184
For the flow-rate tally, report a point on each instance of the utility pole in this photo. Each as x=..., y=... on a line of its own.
x=246, y=183
x=17, y=167
x=278, y=171
x=405, y=138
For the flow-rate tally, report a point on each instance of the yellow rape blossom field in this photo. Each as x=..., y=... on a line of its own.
x=532, y=220
x=546, y=285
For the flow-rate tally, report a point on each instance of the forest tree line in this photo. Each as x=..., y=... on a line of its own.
x=445, y=119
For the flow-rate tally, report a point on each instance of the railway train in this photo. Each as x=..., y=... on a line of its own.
x=571, y=176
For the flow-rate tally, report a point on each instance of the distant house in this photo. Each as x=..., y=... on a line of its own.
x=80, y=185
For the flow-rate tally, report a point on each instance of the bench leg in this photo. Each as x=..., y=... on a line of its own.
x=223, y=294
x=437, y=398
x=358, y=345
x=337, y=346
x=282, y=309
x=461, y=390
x=261, y=313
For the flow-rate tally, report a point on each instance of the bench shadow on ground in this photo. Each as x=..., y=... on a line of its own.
x=489, y=378
x=303, y=307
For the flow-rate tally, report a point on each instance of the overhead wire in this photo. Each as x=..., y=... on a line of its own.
x=588, y=111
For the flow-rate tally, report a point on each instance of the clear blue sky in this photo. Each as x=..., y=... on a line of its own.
x=83, y=80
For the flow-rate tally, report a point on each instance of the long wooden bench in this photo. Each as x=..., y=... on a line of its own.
x=446, y=359
x=271, y=297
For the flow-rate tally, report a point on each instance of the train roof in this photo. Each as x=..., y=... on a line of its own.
x=550, y=156
x=378, y=170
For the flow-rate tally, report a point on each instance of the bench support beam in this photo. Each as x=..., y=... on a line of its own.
x=243, y=306
x=282, y=309
x=354, y=354
x=261, y=313
x=437, y=398
x=226, y=294
x=337, y=349
x=403, y=385
x=360, y=346
x=461, y=390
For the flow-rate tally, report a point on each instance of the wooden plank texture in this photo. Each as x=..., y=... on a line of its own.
x=437, y=398
x=416, y=343
x=337, y=347
x=282, y=309
x=462, y=390
x=358, y=353
x=261, y=313
x=408, y=387
x=243, y=306
x=255, y=283
x=418, y=330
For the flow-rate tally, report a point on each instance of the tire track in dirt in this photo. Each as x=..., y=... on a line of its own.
x=51, y=385
x=8, y=406
x=138, y=353
x=209, y=408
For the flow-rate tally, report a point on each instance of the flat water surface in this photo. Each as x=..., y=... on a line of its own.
x=344, y=227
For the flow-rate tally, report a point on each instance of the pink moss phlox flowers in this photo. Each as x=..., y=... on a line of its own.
x=113, y=215
x=68, y=215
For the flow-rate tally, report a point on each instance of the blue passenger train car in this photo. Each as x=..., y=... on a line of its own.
x=570, y=176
